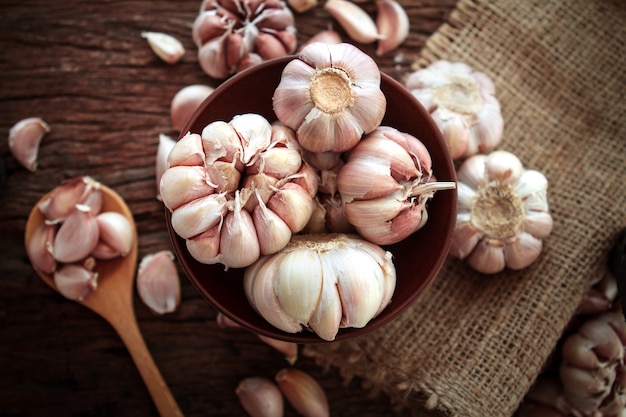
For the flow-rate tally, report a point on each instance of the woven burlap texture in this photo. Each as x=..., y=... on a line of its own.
x=473, y=344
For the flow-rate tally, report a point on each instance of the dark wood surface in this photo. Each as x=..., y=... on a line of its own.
x=83, y=67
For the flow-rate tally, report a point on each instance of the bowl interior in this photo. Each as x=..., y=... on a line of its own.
x=418, y=258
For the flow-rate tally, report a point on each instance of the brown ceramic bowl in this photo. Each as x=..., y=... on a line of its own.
x=418, y=258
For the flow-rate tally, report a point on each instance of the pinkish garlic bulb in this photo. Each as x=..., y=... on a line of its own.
x=232, y=35
x=238, y=190
x=462, y=103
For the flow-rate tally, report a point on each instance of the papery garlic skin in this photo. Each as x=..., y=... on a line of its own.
x=158, y=283
x=322, y=282
x=239, y=190
x=232, y=35
x=462, y=102
x=385, y=185
x=24, y=139
x=502, y=213
x=330, y=96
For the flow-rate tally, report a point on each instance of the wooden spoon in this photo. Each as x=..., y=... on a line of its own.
x=113, y=300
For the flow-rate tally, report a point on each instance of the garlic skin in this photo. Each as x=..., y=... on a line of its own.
x=339, y=281
x=462, y=102
x=260, y=397
x=303, y=392
x=24, y=139
x=165, y=46
x=502, y=213
x=75, y=281
x=330, y=96
x=239, y=190
x=186, y=101
x=232, y=35
x=385, y=185
x=158, y=284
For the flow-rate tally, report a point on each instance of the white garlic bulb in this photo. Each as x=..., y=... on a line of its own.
x=238, y=190
x=462, y=103
x=330, y=96
x=322, y=282
x=502, y=213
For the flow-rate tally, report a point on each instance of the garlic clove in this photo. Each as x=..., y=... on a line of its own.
x=63, y=199
x=532, y=187
x=303, y=392
x=298, y=284
x=326, y=318
x=363, y=213
x=255, y=133
x=225, y=176
x=455, y=133
x=75, y=281
x=326, y=36
x=522, y=251
x=208, y=24
x=464, y=240
x=158, y=284
x=357, y=23
x=165, y=46
x=273, y=233
x=322, y=160
x=269, y=46
x=365, y=178
x=39, y=248
x=199, y=215
x=279, y=162
x=239, y=245
x=302, y=6
x=205, y=247
x=472, y=171
x=504, y=167
x=185, y=102
x=317, y=222
x=104, y=251
x=293, y=204
x=77, y=236
x=260, y=187
x=182, y=184
x=116, y=231
x=386, y=152
x=187, y=151
x=289, y=349
x=538, y=223
x=224, y=322
x=220, y=141
x=308, y=179
x=166, y=144
x=24, y=140
x=260, y=397
x=212, y=57
x=487, y=257
x=392, y=23
x=466, y=197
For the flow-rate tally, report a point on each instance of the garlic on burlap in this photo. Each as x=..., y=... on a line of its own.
x=322, y=282
x=330, y=95
x=232, y=35
x=462, y=103
x=238, y=190
x=593, y=369
x=24, y=139
x=502, y=213
x=385, y=185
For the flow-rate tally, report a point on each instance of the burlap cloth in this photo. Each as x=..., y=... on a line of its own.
x=473, y=344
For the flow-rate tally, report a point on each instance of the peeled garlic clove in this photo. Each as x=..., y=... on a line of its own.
x=166, y=144
x=357, y=23
x=392, y=24
x=24, y=139
x=116, y=231
x=185, y=102
x=75, y=282
x=39, y=248
x=303, y=392
x=260, y=397
x=158, y=284
x=77, y=236
x=289, y=349
x=167, y=47
x=199, y=215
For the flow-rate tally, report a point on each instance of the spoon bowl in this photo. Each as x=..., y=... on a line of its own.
x=113, y=301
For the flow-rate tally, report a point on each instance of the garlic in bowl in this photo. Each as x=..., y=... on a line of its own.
x=417, y=259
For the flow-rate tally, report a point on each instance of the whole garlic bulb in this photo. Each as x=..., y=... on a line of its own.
x=232, y=35
x=330, y=96
x=502, y=213
x=238, y=190
x=462, y=103
x=385, y=184
x=322, y=282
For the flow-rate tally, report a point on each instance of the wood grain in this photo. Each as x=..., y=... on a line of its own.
x=83, y=67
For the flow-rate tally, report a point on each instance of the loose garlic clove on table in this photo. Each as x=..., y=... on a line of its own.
x=24, y=139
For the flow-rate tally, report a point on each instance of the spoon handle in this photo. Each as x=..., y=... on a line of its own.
x=162, y=397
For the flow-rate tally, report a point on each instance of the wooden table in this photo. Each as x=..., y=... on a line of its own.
x=83, y=67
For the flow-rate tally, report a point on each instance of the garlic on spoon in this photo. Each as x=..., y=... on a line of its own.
x=75, y=281
x=462, y=103
x=502, y=213
x=330, y=96
x=158, y=283
x=24, y=139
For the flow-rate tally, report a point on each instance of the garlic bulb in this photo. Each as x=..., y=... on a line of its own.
x=385, y=185
x=24, y=139
x=232, y=35
x=158, y=284
x=322, y=282
x=502, y=213
x=330, y=96
x=462, y=103
x=238, y=190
